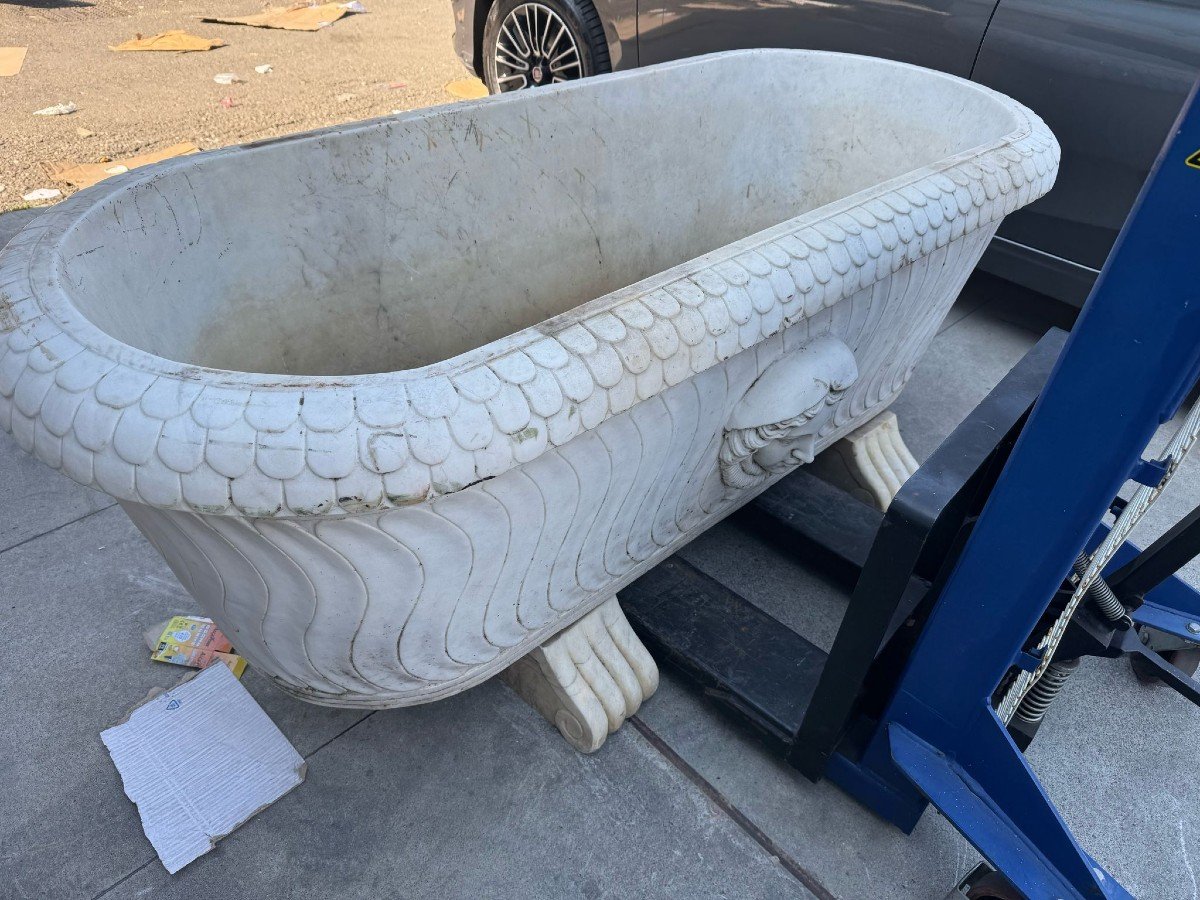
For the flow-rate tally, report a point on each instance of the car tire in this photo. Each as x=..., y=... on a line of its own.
x=506, y=45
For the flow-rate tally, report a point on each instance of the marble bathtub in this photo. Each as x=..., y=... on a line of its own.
x=404, y=403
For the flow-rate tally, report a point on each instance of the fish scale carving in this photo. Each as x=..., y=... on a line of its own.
x=415, y=603
x=285, y=449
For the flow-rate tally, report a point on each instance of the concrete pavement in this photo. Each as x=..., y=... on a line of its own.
x=477, y=796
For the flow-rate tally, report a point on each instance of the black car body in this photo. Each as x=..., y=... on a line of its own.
x=1108, y=76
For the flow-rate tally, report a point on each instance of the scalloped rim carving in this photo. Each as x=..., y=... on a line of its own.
x=145, y=429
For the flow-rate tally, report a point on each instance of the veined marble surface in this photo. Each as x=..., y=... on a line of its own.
x=399, y=401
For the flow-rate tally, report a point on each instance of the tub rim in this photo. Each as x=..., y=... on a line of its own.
x=47, y=337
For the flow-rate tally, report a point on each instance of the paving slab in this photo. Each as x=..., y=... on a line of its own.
x=12, y=222
x=474, y=797
x=73, y=605
x=33, y=497
x=962, y=365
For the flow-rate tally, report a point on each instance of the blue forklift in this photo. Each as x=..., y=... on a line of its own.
x=999, y=565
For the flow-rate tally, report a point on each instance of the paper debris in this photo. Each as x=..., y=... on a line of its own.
x=467, y=89
x=11, y=60
x=300, y=17
x=199, y=760
x=263, y=69
x=177, y=41
x=83, y=132
x=193, y=641
x=226, y=78
x=83, y=175
x=58, y=109
x=226, y=102
x=42, y=194
x=344, y=98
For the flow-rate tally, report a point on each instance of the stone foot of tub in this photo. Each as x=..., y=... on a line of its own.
x=587, y=679
x=870, y=463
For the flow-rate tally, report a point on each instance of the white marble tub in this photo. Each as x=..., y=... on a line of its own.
x=400, y=401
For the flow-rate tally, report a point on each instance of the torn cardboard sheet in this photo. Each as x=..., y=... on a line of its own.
x=300, y=17
x=199, y=760
x=83, y=175
x=11, y=60
x=177, y=41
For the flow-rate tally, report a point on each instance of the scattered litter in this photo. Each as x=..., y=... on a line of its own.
x=11, y=60
x=263, y=69
x=178, y=41
x=467, y=89
x=83, y=132
x=392, y=85
x=226, y=78
x=42, y=194
x=193, y=641
x=83, y=175
x=300, y=17
x=199, y=760
x=58, y=109
x=226, y=102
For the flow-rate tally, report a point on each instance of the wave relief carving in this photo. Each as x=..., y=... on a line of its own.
x=411, y=604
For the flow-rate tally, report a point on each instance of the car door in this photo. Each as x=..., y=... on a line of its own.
x=1109, y=78
x=941, y=34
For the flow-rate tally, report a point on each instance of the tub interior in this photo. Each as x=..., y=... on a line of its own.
x=398, y=243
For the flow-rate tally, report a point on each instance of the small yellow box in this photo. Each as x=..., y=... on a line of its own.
x=196, y=642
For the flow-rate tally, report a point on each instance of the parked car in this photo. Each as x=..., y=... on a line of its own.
x=1108, y=76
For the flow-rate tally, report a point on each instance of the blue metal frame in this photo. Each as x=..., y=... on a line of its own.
x=1131, y=358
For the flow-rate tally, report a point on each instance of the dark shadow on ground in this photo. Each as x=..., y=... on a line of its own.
x=48, y=4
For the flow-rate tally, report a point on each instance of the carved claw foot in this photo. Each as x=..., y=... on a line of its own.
x=587, y=679
x=871, y=462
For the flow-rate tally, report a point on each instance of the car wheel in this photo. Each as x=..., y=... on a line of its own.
x=528, y=43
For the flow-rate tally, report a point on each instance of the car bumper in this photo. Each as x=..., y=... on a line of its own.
x=465, y=39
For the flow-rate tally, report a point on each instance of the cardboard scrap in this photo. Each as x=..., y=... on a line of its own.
x=193, y=641
x=11, y=60
x=300, y=17
x=467, y=89
x=177, y=41
x=199, y=760
x=83, y=175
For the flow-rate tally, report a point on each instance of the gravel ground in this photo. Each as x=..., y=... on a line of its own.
x=139, y=102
